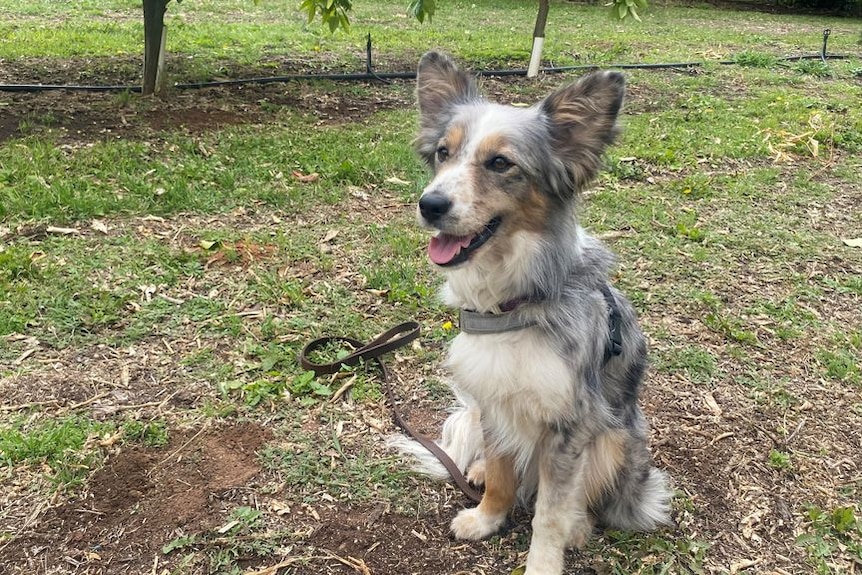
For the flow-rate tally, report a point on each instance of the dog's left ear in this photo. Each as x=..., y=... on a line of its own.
x=583, y=122
x=440, y=88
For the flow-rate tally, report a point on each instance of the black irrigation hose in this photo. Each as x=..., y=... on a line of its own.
x=370, y=74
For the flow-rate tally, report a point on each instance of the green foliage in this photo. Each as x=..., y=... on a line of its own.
x=651, y=554
x=625, y=8
x=17, y=263
x=151, y=434
x=698, y=364
x=755, y=59
x=816, y=68
x=841, y=365
x=333, y=13
x=828, y=533
x=779, y=460
x=421, y=9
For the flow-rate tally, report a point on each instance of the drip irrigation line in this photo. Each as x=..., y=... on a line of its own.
x=371, y=74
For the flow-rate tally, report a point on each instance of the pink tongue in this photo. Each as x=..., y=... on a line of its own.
x=444, y=247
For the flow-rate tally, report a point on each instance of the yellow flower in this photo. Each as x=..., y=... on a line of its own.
x=447, y=326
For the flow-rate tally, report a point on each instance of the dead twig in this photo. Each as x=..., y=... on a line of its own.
x=84, y=403
x=148, y=404
x=357, y=564
x=343, y=389
x=27, y=405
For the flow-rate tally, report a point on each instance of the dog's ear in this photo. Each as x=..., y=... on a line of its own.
x=440, y=87
x=583, y=121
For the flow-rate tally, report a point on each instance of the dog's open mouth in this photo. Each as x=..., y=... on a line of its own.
x=448, y=250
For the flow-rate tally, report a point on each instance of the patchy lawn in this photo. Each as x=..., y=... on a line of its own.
x=162, y=262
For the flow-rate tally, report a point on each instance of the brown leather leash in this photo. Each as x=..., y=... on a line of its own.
x=390, y=340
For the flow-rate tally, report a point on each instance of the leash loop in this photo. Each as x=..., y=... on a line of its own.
x=390, y=340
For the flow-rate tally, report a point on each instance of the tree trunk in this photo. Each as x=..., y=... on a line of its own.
x=154, y=38
x=538, y=39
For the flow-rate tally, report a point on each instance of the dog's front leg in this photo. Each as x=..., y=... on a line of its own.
x=499, y=496
x=561, y=514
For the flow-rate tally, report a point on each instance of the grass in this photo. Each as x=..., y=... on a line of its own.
x=726, y=198
x=68, y=446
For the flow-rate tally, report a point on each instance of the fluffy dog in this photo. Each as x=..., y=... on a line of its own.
x=549, y=362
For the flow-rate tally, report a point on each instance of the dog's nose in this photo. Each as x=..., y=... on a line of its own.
x=433, y=207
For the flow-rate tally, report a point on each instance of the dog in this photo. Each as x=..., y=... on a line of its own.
x=550, y=359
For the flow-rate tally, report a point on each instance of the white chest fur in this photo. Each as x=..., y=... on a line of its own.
x=517, y=380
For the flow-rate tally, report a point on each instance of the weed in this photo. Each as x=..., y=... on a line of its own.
x=768, y=391
x=699, y=364
x=152, y=434
x=734, y=329
x=779, y=460
x=814, y=68
x=841, y=365
x=755, y=59
x=829, y=533
x=653, y=554
x=356, y=476
x=18, y=263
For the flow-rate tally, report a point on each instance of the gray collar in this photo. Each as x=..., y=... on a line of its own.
x=487, y=323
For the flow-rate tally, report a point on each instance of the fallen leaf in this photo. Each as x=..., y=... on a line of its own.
x=710, y=402
x=397, y=181
x=330, y=235
x=853, y=243
x=99, y=226
x=279, y=507
x=306, y=178
x=207, y=244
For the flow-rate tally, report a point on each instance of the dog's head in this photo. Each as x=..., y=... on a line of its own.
x=500, y=171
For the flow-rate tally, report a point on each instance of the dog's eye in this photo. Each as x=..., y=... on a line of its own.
x=499, y=164
x=442, y=154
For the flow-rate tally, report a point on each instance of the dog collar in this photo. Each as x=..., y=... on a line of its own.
x=478, y=323
x=487, y=323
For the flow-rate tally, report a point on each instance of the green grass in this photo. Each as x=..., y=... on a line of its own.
x=67, y=447
x=726, y=199
x=204, y=34
x=40, y=180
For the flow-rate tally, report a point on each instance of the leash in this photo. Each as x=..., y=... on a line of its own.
x=390, y=340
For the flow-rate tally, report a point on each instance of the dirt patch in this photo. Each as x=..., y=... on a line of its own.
x=86, y=116
x=141, y=499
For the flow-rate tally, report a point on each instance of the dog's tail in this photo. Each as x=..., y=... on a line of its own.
x=639, y=503
x=462, y=442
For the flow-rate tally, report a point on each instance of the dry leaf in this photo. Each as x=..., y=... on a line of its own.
x=330, y=235
x=397, y=181
x=711, y=404
x=853, y=242
x=306, y=178
x=99, y=226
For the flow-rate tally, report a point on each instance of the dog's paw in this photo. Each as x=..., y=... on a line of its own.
x=474, y=524
x=476, y=473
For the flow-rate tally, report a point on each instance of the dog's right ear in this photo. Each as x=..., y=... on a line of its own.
x=440, y=87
